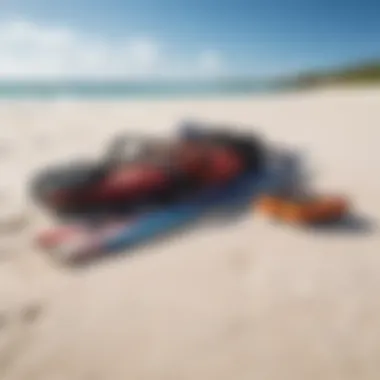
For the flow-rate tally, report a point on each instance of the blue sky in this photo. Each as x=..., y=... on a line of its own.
x=192, y=37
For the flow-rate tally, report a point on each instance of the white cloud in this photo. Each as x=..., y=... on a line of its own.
x=144, y=52
x=210, y=62
x=29, y=50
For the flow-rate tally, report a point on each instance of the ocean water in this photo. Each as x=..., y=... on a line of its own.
x=143, y=90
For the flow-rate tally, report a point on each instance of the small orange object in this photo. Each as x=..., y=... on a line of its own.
x=304, y=211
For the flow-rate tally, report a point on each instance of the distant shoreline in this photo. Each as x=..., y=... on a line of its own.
x=128, y=90
x=363, y=74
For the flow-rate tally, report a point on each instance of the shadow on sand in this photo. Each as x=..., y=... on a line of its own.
x=352, y=224
x=291, y=172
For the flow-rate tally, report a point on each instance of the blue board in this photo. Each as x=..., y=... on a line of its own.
x=159, y=222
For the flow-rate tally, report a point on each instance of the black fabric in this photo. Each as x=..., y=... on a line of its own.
x=68, y=177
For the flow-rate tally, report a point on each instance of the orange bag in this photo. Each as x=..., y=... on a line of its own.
x=312, y=210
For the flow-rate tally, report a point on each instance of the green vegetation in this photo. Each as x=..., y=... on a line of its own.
x=359, y=74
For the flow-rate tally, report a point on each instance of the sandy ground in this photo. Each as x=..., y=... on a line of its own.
x=242, y=300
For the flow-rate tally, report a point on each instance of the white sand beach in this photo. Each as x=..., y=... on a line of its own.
x=250, y=299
